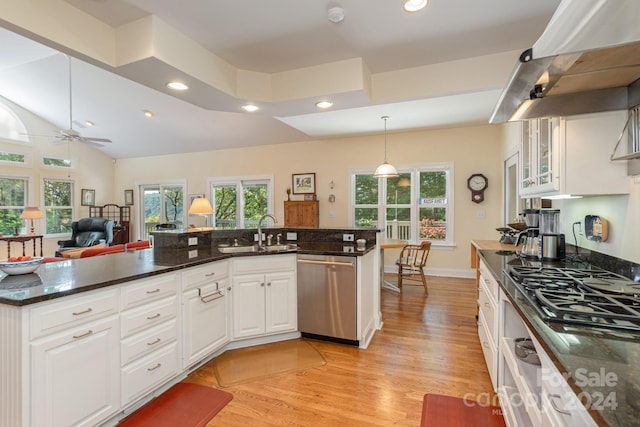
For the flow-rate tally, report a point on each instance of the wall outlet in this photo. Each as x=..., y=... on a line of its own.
x=193, y=241
x=255, y=237
x=347, y=249
x=292, y=236
x=347, y=237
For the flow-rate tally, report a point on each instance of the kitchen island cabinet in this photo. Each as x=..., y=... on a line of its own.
x=263, y=296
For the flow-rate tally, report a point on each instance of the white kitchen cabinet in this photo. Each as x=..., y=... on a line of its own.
x=263, y=296
x=205, y=304
x=557, y=155
x=539, y=151
x=75, y=360
x=148, y=335
x=488, y=333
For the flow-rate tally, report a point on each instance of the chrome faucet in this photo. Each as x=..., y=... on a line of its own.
x=262, y=218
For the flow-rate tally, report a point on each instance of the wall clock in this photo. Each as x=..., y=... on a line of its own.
x=477, y=183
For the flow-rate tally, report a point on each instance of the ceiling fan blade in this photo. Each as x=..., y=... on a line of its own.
x=89, y=142
x=87, y=138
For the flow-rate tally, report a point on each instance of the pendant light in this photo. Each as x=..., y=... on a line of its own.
x=385, y=170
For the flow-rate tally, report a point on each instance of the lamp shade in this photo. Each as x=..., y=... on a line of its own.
x=385, y=170
x=31, y=212
x=200, y=206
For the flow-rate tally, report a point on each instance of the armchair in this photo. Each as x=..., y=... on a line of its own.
x=87, y=232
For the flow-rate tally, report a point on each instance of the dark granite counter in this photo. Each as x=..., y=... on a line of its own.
x=604, y=365
x=59, y=279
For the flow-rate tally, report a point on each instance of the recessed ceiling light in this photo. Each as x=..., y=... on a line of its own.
x=147, y=113
x=414, y=5
x=89, y=123
x=177, y=86
x=250, y=108
x=324, y=104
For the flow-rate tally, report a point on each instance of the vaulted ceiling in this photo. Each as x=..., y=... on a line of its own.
x=443, y=66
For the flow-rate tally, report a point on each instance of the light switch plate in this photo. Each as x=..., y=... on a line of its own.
x=193, y=241
x=193, y=253
x=292, y=236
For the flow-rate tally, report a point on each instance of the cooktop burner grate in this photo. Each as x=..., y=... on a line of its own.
x=589, y=297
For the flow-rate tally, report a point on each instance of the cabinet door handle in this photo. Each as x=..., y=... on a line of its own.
x=78, y=313
x=157, y=340
x=554, y=406
x=268, y=283
x=86, y=334
x=155, y=291
x=153, y=368
x=155, y=316
x=262, y=284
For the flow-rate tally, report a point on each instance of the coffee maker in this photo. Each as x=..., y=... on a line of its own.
x=551, y=241
x=531, y=246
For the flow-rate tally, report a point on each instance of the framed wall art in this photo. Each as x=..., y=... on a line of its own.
x=304, y=183
x=88, y=197
x=128, y=197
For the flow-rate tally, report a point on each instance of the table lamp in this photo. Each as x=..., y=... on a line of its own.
x=31, y=212
x=201, y=206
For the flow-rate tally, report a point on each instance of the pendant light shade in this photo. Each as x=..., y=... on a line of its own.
x=385, y=170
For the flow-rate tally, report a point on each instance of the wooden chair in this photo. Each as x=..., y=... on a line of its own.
x=411, y=263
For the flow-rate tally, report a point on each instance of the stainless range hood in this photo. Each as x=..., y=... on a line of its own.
x=587, y=60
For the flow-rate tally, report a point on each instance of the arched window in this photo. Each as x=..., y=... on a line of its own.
x=11, y=127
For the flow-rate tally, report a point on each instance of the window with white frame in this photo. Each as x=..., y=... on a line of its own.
x=13, y=198
x=239, y=202
x=58, y=205
x=416, y=205
x=162, y=204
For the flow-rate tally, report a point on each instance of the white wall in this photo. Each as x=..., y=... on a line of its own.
x=471, y=149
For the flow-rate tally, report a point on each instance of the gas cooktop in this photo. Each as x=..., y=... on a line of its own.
x=589, y=297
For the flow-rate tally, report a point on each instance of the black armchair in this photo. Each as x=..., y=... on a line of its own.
x=87, y=232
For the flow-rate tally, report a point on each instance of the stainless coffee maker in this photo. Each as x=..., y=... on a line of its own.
x=530, y=240
x=551, y=241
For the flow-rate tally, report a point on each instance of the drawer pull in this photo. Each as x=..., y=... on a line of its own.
x=155, y=316
x=486, y=304
x=262, y=284
x=554, y=406
x=268, y=283
x=210, y=274
x=78, y=313
x=153, y=368
x=86, y=334
x=154, y=342
x=155, y=291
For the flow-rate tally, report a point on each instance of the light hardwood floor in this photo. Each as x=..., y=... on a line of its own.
x=428, y=344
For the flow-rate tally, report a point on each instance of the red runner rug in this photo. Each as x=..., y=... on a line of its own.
x=184, y=405
x=447, y=411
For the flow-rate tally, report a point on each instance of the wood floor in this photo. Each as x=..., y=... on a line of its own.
x=428, y=344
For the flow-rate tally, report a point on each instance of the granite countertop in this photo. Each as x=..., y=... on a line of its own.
x=59, y=279
x=591, y=356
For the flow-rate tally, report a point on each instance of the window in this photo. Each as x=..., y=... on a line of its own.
x=56, y=162
x=417, y=205
x=162, y=204
x=240, y=202
x=58, y=204
x=13, y=197
x=13, y=158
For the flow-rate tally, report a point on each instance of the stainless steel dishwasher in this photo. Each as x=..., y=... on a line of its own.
x=327, y=303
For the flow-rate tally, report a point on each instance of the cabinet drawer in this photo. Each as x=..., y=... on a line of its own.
x=490, y=283
x=490, y=351
x=147, y=341
x=142, y=291
x=204, y=274
x=71, y=311
x=145, y=374
x=488, y=310
x=264, y=263
x=138, y=319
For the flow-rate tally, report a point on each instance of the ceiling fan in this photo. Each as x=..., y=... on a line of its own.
x=70, y=134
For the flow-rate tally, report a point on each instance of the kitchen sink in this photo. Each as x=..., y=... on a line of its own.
x=255, y=248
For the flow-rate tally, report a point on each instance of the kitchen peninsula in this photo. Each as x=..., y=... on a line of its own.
x=588, y=373
x=88, y=341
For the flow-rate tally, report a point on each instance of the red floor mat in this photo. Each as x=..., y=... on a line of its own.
x=447, y=411
x=184, y=404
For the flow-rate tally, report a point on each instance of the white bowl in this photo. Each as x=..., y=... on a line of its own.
x=20, y=267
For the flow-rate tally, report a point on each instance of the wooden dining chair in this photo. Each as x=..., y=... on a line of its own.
x=411, y=264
